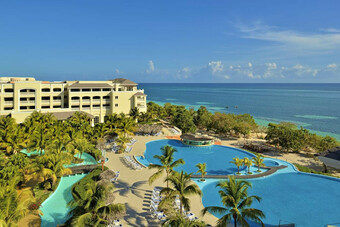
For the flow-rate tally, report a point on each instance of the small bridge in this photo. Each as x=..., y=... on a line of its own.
x=82, y=169
x=270, y=171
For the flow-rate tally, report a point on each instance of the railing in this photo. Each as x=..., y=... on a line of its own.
x=8, y=102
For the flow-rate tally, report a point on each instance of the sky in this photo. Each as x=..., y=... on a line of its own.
x=211, y=41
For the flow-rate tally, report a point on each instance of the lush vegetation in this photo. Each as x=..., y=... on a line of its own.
x=236, y=204
x=51, y=146
x=287, y=137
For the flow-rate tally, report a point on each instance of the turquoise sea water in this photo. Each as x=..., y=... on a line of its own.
x=288, y=196
x=313, y=106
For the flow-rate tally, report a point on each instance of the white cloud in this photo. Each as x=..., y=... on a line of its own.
x=250, y=64
x=184, y=73
x=118, y=72
x=292, y=40
x=331, y=30
x=332, y=66
x=216, y=66
x=151, y=67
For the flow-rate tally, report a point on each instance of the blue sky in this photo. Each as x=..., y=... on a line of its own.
x=172, y=41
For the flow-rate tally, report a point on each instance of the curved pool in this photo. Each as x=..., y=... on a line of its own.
x=54, y=208
x=288, y=196
x=217, y=157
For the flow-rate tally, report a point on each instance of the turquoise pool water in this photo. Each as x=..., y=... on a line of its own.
x=25, y=151
x=217, y=157
x=288, y=196
x=55, y=210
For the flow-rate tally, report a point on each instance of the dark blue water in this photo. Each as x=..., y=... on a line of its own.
x=313, y=106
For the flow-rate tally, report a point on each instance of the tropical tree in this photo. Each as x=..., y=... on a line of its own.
x=134, y=113
x=13, y=207
x=258, y=161
x=182, y=186
x=81, y=122
x=127, y=126
x=247, y=162
x=11, y=135
x=182, y=221
x=121, y=142
x=237, y=203
x=202, y=167
x=167, y=163
x=91, y=209
x=80, y=146
x=238, y=162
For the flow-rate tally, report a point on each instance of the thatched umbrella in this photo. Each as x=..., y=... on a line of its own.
x=107, y=175
x=109, y=198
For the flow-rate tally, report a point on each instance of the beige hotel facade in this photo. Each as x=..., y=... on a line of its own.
x=20, y=96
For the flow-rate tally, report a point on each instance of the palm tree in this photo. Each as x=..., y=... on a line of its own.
x=80, y=146
x=13, y=207
x=10, y=135
x=167, y=163
x=81, y=122
x=182, y=187
x=91, y=210
x=247, y=162
x=238, y=162
x=134, y=113
x=127, y=126
x=202, y=167
x=182, y=221
x=236, y=202
x=258, y=160
x=121, y=142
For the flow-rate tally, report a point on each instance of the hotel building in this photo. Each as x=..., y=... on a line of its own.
x=19, y=97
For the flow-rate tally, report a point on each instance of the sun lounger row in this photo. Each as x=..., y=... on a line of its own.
x=115, y=223
x=132, y=142
x=132, y=163
x=155, y=200
x=113, y=180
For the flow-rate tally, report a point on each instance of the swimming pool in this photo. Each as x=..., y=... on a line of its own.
x=55, y=209
x=288, y=196
x=217, y=157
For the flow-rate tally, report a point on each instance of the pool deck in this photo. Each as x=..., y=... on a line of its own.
x=270, y=171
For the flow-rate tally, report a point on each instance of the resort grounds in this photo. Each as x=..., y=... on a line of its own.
x=133, y=189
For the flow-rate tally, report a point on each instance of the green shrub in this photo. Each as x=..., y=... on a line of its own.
x=309, y=170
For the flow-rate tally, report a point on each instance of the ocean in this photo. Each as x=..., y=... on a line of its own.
x=313, y=106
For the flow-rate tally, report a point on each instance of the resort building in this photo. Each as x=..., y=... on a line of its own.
x=19, y=97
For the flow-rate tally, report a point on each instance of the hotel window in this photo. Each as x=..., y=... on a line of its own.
x=114, y=89
x=8, y=99
x=45, y=107
x=106, y=97
x=96, y=89
x=86, y=98
x=75, y=98
x=119, y=89
x=106, y=89
x=31, y=98
x=116, y=105
x=8, y=108
x=8, y=90
x=57, y=98
x=23, y=107
x=45, y=98
x=106, y=105
x=75, y=90
x=86, y=90
x=56, y=106
x=116, y=97
x=23, y=99
x=75, y=107
x=31, y=107
x=96, y=97
x=96, y=120
x=45, y=90
x=56, y=89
